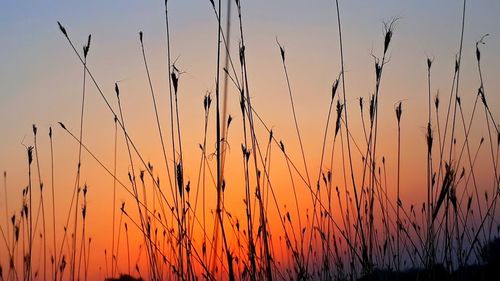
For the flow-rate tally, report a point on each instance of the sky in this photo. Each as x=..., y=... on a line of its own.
x=41, y=83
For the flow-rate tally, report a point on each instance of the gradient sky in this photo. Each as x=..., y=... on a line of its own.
x=41, y=79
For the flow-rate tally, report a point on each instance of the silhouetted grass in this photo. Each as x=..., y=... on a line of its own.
x=375, y=237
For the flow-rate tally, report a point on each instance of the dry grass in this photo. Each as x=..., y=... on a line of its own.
x=376, y=235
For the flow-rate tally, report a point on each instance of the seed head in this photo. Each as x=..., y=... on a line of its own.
x=242, y=54
x=16, y=232
x=30, y=154
x=86, y=47
x=378, y=69
x=207, y=100
x=388, y=30
x=63, y=30
x=429, y=138
x=117, y=90
x=180, y=178
x=372, y=108
x=63, y=264
x=84, y=211
x=478, y=52
x=387, y=40
x=436, y=100
x=141, y=175
x=339, y=116
x=282, y=51
x=399, y=111
x=242, y=102
x=334, y=88
x=480, y=92
x=175, y=79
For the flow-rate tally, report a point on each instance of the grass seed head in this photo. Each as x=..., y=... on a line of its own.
x=63, y=30
x=242, y=54
x=480, y=92
x=207, y=100
x=372, y=108
x=84, y=211
x=86, y=47
x=175, y=79
x=399, y=111
x=339, y=116
x=30, y=154
x=63, y=264
x=388, y=32
x=436, y=100
x=429, y=63
x=16, y=232
x=429, y=137
x=479, y=42
x=242, y=102
x=117, y=90
x=334, y=88
x=282, y=50
x=378, y=69
x=180, y=181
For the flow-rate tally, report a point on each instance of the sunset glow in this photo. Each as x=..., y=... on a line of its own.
x=313, y=155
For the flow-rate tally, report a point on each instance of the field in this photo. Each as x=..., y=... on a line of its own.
x=227, y=140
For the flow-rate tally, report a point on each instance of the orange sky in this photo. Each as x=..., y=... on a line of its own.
x=41, y=80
